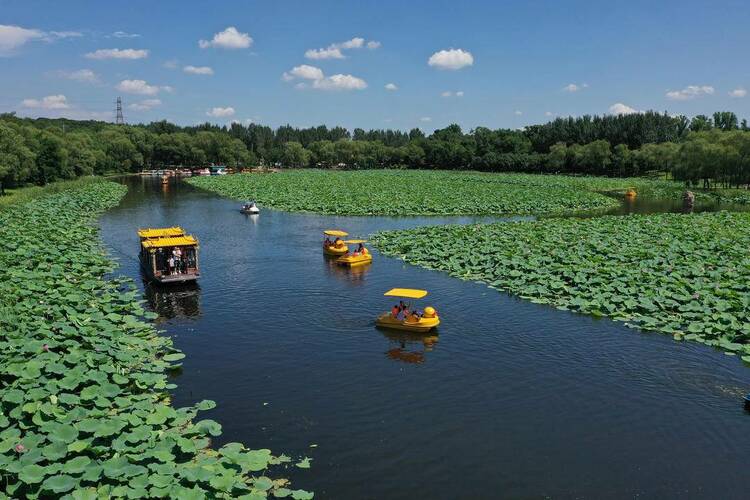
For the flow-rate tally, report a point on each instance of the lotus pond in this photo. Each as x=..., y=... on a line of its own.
x=84, y=395
x=509, y=399
x=685, y=275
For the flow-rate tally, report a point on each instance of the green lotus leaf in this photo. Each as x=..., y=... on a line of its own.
x=208, y=426
x=32, y=474
x=59, y=484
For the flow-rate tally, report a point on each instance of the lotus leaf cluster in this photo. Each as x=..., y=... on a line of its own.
x=416, y=192
x=85, y=411
x=684, y=275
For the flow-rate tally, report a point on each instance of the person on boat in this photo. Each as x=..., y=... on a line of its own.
x=171, y=264
x=395, y=311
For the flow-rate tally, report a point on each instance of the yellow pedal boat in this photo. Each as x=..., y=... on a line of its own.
x=336, y=247
x=407, y=321
x=359, y=257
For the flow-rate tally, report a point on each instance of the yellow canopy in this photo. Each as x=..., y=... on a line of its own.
x=408, y=293
x=177, y=241
x=335, y=232
x=354, y=242
x=167, y=232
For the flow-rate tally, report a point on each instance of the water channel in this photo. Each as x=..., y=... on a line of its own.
x=509, y=400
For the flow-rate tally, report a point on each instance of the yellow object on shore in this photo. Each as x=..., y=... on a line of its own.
x=630, y=193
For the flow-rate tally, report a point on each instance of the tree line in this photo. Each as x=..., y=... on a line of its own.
x=705, y=149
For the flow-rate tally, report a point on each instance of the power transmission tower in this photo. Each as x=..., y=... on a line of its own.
x=119, y=120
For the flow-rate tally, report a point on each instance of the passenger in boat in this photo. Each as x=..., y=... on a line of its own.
x=337, y=242
x=171, y=264
x=395, y=311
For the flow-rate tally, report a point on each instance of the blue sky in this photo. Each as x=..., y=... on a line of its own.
x=495, y=64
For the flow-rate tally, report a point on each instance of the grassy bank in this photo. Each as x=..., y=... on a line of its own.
x=85, y=408
x=685, y=275
x=408, y=192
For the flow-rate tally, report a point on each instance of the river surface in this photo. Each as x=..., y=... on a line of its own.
x=510, y=400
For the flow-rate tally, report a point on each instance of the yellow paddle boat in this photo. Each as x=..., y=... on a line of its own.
x=630, y=193
x=358, y=257
x=402, y=319
x=336, y=247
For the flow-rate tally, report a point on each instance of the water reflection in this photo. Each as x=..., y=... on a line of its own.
x=354, y=275
x=409, y=347
x=174, y=301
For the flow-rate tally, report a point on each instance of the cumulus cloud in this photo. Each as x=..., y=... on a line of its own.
x=391, y=86
x=317, y=80
x=145, y=105
x=451, y=59
x=81, y=75
x=738, y=92
x=118, y=54
x=335, y=50
x=220, y=112
x=140, y=87
x=198, y=70
x=621, y=109
x=573, y=87
x=230, y=38
x=690, y=92
x=49, y=102
x=549, y=113
x=303, y=71
x=339, y=82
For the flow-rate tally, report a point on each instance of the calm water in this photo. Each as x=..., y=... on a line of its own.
x=510, y=400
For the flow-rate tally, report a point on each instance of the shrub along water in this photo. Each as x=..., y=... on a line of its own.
x=685, y=275
x=409, y=192
x=84, y=404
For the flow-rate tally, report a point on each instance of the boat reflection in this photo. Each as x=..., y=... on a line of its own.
x=354, y=274
x=409, y=347
x=175, y=301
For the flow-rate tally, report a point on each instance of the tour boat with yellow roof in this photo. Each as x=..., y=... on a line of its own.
x=168, y=255
x=359, y=257
x=335, y=247
x=404, y=319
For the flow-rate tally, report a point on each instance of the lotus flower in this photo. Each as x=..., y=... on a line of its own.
x=20, y=448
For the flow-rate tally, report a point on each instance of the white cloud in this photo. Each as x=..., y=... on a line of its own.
x=572, y=87
x=738, y=92
x=140, y=87
x=123, y=34
x=425, y=119
x=327, y=53
x=340, y=82
x=13, y=37
x=459, y=93
x=304, y=72
x=690, y=92
x=118, y=54
x=335, y=50
x=321, y=82
x=518, y=112
x=81, y=75
x=448, y=93
x=49, y=102
x=391, y=86
x=145, y=105
x=220, y=112
x=621, y=109
x=171, y=64
x=230, y=38
x=451, y=59
x=548, y=113
x=198, y=70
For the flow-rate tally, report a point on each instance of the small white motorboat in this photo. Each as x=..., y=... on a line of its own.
x=250, y=208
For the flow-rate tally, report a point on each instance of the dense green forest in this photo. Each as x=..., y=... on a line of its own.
x=702, y=150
